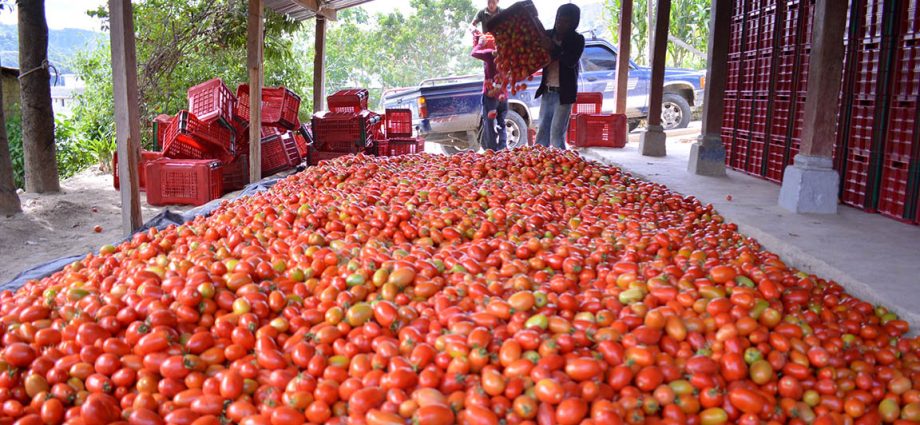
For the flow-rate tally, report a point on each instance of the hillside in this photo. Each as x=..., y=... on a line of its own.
x=62, y=45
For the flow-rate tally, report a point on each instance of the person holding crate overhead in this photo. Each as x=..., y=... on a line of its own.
x=494, y=99
x=485, y=15
x=559, y=85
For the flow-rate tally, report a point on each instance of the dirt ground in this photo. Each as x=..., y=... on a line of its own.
x=59, y=225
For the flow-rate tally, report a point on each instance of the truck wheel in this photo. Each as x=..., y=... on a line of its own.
x=632, y=125
x=675, y=111
x=516, y=130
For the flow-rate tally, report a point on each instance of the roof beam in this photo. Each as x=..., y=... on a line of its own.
x=318, y=7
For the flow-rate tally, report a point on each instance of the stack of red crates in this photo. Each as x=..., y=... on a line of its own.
x=347, y=128
x=205, y=148
x=398, y=128
x=585, y=103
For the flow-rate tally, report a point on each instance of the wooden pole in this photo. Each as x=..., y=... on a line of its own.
x=707, y=155
x=659, y=54
x=623, y=47
x=254, y=47
x=319, y=65
x=127, y=131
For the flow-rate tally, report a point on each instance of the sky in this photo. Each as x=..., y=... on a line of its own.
x=72, y=13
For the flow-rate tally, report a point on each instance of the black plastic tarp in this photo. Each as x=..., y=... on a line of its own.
x=160, y=221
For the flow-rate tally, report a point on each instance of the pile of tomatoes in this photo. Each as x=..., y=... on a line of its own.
x=521, y=287
x=519, y=52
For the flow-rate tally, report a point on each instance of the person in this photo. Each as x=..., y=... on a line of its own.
x=559, y=85
x=485, y=15
x=494, y=99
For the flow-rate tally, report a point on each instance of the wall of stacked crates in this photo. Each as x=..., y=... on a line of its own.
x=877, y=150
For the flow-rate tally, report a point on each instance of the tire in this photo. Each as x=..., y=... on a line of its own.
x=632, y=125
x=675, y=111
x=516, y=129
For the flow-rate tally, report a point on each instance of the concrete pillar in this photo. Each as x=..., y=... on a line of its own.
x=653, y=140
x=623, y=46
x=707, y=155
x=810, y=184
x=319, y=64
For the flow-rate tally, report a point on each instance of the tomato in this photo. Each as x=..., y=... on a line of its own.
x=19, y=354
x=436, y=414
x=582, y=369
x=571, y=411
x=746, y=400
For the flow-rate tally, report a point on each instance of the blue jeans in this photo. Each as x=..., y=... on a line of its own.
x=492, y=139
x=554, y=121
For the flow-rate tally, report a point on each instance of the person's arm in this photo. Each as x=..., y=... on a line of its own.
x=482, y=53
x=568, y=53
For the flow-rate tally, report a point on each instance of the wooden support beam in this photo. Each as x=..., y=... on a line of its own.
x=254, y=48
x=659, y=56
x=623, y=48
x=319, y=65
x=127, y=121
x=826, y=66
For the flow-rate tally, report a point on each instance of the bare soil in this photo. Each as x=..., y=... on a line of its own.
x=59, y=225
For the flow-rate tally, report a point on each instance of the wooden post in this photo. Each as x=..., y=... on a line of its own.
x=810, y=184
x=127, y=121
x=650, y=31
x=319, y=65
x=254, y=47
x=653, y=141
x=623, y=47
x=707, y=155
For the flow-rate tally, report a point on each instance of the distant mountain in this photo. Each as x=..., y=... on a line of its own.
x=63, y=44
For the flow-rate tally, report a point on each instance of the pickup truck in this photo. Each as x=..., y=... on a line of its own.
x=447, y=111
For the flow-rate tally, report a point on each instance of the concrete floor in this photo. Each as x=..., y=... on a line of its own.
x=875, y=258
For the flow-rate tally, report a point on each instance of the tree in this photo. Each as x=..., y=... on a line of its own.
x=9, y=200
x=689, y=22
x=41, y=173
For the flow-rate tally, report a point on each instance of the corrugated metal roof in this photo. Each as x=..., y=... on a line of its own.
x=299, y=9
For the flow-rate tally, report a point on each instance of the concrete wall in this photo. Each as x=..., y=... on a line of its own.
x=10, y=87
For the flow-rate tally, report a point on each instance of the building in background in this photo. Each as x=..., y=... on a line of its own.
x=64, y=93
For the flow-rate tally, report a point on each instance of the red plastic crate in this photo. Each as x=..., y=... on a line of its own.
x=892, y=199
x=280, y=106
x=739, y=150
x=755, y=155
x=901, y=129
x=759, y=118
x=378, y=148
x=317, y=156
x=910, y=20
x=790, y=36
x=799, y=121
x=767, y=29
x=338, y=132
x=601, y=130
x=303, y=140
x=146, y=158
x=188, y=138
x=270, y=130
x=398, y=123
x=776, y=165
x=729, y=112
x=348, y=101
x=867, y=71
x=279, y=153
x=752, y=34
x=211, y=100
x=906, y=74
x=745, y=114
x=160, y=124
x=728, y=138
x=809, y=11
x=873, y=21
x=856, y=178
x=785, y=74
x=236, y=174
x=734, y=76
x=397, y=146
x=585, y=103
x=736, y=38
x=764, y=69
x=780, y=122
x=184, y=181
x=747, y=85
x=862, y=121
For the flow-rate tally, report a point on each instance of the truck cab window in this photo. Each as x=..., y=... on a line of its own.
x=597, y=58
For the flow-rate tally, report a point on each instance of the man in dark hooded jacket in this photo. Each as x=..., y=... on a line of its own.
x=559, y=86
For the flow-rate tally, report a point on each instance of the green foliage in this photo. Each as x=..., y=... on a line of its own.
x=14, y=135
x=72, y=154
x=689, y=22
x=399, y=50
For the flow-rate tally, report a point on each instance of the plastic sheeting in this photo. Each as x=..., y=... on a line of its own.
x=161, y=221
